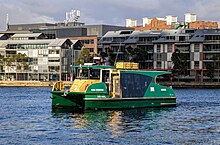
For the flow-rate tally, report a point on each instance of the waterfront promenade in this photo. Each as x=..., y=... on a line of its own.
x=29, y=83
x=68, y=83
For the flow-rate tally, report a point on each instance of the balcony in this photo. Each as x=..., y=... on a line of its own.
x=54, y=55
x=54, y=63
x=211, y=41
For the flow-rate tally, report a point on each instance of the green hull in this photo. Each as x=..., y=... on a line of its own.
x=60, y=100
x=126, y=103
x=79, y=101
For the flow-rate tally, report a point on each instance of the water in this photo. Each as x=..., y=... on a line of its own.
x=27, y=118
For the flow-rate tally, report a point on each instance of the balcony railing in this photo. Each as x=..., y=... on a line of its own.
x=53, y=55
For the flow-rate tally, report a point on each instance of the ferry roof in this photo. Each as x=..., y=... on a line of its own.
x=152, y=74
x=93, y=66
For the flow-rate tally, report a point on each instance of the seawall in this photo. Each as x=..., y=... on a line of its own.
x=29, y=83
x=204, y=85
x=68, y=83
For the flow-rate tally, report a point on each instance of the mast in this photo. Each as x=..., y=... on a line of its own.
x=7, y=22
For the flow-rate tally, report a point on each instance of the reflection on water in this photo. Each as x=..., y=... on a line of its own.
x=116, y=122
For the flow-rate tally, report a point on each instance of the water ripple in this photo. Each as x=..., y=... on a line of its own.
x=27, y=118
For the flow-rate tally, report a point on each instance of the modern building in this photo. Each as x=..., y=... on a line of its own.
x=171, y=19
x=200, y=48
x=131, y=23
x=146, y=21
x=48, y=59
x=155, y=24
x=62, y=30
x=207, y=43
x=170, y=22
x=203, y=25
x=113, y=44
x=143, y=41
x=89, y=42
x=190, y=17
x=101, y=30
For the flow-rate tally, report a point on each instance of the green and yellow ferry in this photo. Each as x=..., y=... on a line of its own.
x=108, y=87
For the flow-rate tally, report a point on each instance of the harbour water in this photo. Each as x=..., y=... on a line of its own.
x=27, y=118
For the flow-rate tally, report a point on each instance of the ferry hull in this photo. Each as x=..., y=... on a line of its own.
x=80, y=102
x=60, y=100
x=128, y=103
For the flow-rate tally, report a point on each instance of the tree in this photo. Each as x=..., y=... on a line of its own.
x=22, y=61
x=210, y=71
x=18, y=61
x=135, y=54
x=180, y=63
x=1, y=62
x=8, y=61
x=84, y=57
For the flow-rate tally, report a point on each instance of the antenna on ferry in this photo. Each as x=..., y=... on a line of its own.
x=117, y=54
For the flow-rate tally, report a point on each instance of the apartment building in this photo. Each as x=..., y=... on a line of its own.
x=201, y=48
x=48, y=59
x=208, y=42
x=143, y=41
x=89, y=42
x=170, y=22
x=112, y=43
x=203, y=25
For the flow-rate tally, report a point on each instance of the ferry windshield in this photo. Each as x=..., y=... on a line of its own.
x=88, y=73
x=164, y=80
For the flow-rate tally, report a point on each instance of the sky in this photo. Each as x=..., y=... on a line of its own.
x=104, y=11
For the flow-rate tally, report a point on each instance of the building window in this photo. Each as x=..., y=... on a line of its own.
x=159, y=57
x=169, y=48
x=196, y=47
x=54, y=52
x=90, y=41
x=53, y=68
x=158, y=64
x=181, y=38
x=196, y=64
x=35, y=61
x=158, y=48
x=170, y=37
x=42, y=52
x=90, y=49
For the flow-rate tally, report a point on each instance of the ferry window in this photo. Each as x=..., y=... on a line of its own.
x=88, y=73
x=94, y=74
x=134, y=85
x=82, y=73
x=105, y=75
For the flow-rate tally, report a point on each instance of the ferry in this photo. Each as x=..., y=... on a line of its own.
x=123, y=86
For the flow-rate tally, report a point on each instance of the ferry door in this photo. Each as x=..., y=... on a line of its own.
x=105, y=77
